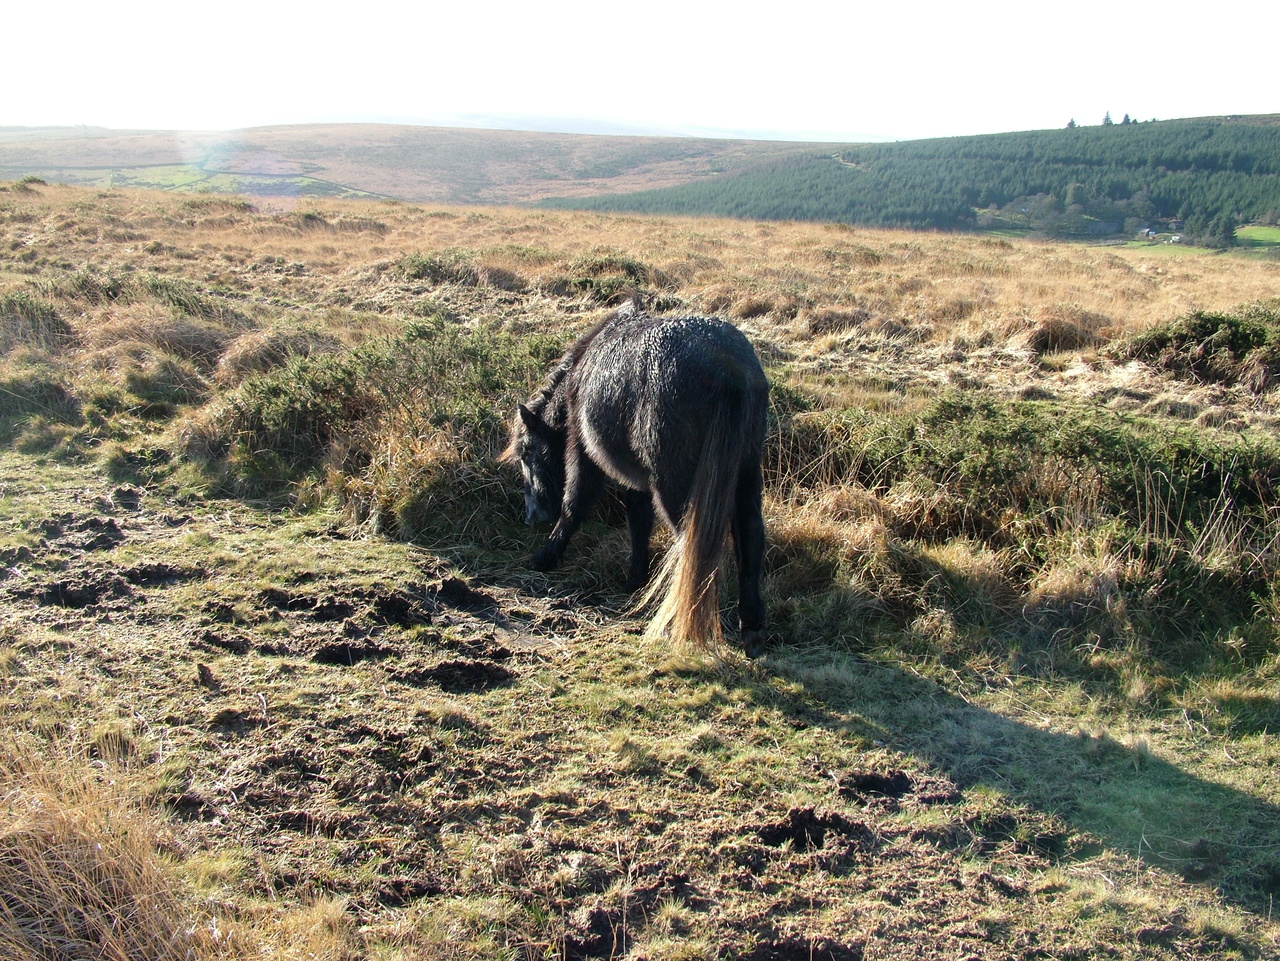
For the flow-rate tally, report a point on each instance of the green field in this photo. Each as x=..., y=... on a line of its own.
x=1258, y=237
x=188, y=178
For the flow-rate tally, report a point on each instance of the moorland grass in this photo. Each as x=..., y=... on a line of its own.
x=1002, y=583
x=1075, y=519
x=80, y=863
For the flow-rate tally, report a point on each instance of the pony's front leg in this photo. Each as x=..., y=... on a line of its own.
x=583, y=481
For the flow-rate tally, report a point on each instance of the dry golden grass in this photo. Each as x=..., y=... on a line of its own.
x=91, y=873
x=81, y=870
x=794, y=280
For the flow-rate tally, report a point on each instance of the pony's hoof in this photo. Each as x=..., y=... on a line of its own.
x=544, y=560
x=753, y=643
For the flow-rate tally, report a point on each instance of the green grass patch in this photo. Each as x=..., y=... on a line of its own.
x=1255, y=237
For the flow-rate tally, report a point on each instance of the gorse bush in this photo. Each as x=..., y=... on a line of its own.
x=1238, y=347
x=1070, y=507
x=987, y=449
x=434, y=376
x=447, y=267
x=295, y=411
x=607, y=277
x=377, y=422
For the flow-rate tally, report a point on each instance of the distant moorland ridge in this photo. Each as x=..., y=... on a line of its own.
x=1202, y=177
x=414, y=164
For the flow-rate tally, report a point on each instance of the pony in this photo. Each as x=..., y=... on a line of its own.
x=672, y=409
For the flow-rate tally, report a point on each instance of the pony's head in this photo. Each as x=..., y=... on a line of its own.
x=538, y=448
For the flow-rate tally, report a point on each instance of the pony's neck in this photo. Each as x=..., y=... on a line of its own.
x=551, y=403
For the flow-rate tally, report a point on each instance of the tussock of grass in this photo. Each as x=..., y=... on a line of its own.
x=1065, y=327
x=89, y=285
x=81, y=869
x=190, y=338
x=446, y=267
x=258, y=351
x=27, y=320
x=186, y=298
x=157, y=381
x=34, y=383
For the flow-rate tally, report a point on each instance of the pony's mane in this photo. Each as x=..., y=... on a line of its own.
x=543, y=402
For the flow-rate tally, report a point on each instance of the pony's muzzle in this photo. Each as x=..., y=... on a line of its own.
x=535, y=514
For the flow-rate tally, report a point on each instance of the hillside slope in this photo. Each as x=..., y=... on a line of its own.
x=1203, y=176
x=416, y=164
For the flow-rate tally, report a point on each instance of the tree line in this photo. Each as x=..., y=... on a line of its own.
x=1200, y=177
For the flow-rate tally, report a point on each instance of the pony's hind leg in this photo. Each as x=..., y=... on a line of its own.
x=749, y=543
x=640, y=524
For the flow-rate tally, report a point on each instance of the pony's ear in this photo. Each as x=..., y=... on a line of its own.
x=532, y=422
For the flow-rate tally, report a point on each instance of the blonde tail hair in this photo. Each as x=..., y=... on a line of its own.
x=688, y=578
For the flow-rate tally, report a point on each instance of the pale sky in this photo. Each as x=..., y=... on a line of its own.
x=796, y=69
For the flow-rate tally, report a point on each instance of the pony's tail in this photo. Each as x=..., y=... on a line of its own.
x=688, y=579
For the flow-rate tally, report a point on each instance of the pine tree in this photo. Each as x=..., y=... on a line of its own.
x=1107, y=121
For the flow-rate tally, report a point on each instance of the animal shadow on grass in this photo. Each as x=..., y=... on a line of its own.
x=1126, y=797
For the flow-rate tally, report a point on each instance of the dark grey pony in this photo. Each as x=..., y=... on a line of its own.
x=673, y=409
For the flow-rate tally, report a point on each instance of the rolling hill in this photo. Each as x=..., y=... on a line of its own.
x=415, y=164
x=1202, y=178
